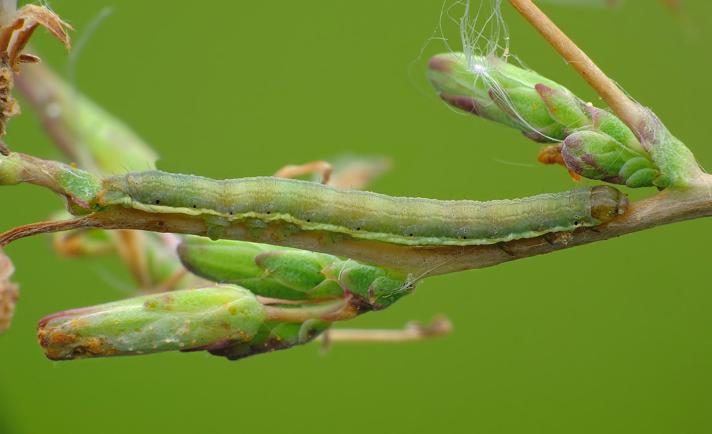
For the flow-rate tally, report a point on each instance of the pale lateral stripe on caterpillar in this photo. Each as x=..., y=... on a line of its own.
x=310, y=206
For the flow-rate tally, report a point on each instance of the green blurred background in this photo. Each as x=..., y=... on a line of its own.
x=614, y=337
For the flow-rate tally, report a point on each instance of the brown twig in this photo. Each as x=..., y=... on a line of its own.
x=413, y=331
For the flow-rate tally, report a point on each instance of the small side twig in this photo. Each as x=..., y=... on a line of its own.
x=413, y=331
x=320, y=167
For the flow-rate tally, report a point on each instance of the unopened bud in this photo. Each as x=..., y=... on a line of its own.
x=180, y=320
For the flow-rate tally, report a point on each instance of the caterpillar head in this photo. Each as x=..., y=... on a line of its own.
x=607, y=203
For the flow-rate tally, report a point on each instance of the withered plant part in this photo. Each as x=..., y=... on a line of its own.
x=14, y=36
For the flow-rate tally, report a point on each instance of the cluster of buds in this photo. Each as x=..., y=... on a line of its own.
x=16, y=29
x=591, y=142
x=285, y=297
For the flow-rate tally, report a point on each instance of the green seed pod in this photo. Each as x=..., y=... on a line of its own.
x=181, y=320
x=596, y=155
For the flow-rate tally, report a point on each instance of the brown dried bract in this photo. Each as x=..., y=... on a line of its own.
x=552, y=155
x=13, y=40
x=8, y=292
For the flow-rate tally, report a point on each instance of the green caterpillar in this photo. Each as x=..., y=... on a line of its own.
x=308, y=206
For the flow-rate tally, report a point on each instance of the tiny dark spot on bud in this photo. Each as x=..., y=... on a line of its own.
x=410, y=235
x=358, y=229
x=157, y=201
x=195, y=206
x=269, y=212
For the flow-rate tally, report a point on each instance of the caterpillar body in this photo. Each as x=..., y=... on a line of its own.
x=308, y=206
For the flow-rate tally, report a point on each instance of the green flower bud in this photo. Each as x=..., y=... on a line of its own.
x=204, y=318
x=496, y=90
x=300, y=270
x=280, y=272
x=596, y=155
x=269, y=271
x=675, y=160
x=564, y=107
x=607, y=123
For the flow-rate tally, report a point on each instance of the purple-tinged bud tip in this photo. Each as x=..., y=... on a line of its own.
x=441, y=62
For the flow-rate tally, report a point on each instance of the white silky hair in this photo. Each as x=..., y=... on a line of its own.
x=485, y=42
